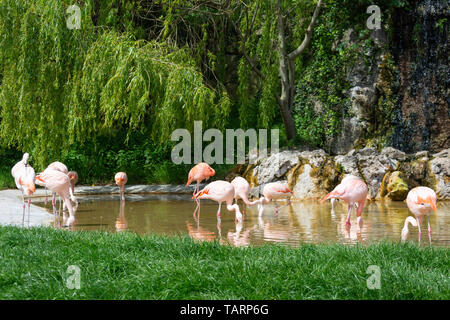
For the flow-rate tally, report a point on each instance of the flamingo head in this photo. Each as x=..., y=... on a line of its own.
x=405, y=233
x=73, y=177
x=427, y=203
x=201, y=193
x=212, y=172
x=119, y=181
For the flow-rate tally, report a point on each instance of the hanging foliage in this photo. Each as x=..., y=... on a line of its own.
x=61, y=86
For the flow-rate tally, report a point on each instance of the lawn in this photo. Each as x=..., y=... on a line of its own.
x=34, y=265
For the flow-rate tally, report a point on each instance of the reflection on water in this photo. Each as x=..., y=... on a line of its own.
x=302, y=222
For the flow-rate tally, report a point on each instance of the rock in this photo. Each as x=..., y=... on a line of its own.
x=372, y=169
x=365, y=152
x=306, y=186
x=421, y=154
x=440, y=168
x=315, y=157
x=393, y=153
x=363, y=99
x=351, y=134
x=276, y=166
x=349, y=163
x=314, y=176
x=397, y=188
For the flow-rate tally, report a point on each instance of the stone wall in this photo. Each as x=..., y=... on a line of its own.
x=389, y=174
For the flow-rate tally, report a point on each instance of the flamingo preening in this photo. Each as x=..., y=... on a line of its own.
x=58, y=183
x=24, y=177
x=61, y=167
x=121, y=179
x=421, y=201
x=73, y=178
x=353, y=191
x=220, y=191
x=201, y=171
x=274, y=191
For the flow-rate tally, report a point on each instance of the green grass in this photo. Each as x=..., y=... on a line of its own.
x=34, y=262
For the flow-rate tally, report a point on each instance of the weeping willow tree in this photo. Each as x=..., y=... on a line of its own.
x=61, y=86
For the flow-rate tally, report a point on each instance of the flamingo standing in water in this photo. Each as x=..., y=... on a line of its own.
x=353, y=191
x=73, y=178
x=241, y=190
x=201, y=171
x=24, y=177
x=274, y=191
x=333, y=200
x=121, y=179
x=421, y=201
x=58, y=183
x=61, y=167
x=220, y=191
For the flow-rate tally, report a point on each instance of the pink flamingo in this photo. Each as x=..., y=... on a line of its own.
x=421, y=201
x=73, y=178
x=274, y=191
x=241, y=190
x=24, y=177
x=201, y=171
x=405, y=230
x=121, y=179
x=58, y=182
x=353, y=191
x=220, y=191
x=61, y=167
x=333, y=200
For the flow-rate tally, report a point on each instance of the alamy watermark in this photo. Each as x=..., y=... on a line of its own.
x=73, y=281
x=374, y=21
x=214, y=151
x=374, y=281
x=74, y=19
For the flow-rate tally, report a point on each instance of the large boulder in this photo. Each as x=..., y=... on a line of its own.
x=314, y=176
x=394, y=186
x=440, y=168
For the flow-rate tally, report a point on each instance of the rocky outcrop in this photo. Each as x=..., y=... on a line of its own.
x=440, y=169
x=389, y=174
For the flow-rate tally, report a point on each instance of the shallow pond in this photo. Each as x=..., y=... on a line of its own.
x=306, y=221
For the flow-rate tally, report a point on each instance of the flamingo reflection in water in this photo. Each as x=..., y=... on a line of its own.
x=121, y=221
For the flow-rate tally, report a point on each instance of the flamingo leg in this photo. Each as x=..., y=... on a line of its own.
x=276, y=206
x=122, y=193
x=46, y=196
x=429, y=229
x=54, y=204
x=218, y=212
x=29, y=210
x=197, y=208
x=23, y=206
x=418, y=225
x=196, y=189
x=350, y=207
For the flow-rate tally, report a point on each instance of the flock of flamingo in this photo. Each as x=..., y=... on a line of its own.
x=421, y=201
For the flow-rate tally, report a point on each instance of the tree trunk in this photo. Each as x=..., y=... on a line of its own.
x=287, y=70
